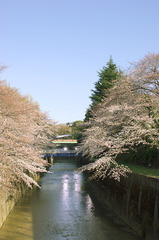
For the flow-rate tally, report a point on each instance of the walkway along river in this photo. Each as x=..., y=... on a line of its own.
x=63, y=209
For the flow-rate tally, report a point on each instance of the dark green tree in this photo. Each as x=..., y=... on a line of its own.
x=106, y=75
x=77, y=128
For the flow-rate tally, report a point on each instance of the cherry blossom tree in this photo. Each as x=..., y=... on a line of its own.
x=145, y=74
x=125, y=119
x=24, y=136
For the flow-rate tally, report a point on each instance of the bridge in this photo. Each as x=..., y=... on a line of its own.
x=62, y=153
x=65, y=153
x=65, y=147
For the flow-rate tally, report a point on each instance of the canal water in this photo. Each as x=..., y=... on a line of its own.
x=64, y=208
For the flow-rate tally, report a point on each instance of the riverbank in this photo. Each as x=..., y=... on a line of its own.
x=134, y=199
x=8, y=201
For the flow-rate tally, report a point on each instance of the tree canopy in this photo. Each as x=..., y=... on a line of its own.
x=24, y=137
x=106, y=75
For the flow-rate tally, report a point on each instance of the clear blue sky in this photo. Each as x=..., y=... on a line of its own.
x=54, y=48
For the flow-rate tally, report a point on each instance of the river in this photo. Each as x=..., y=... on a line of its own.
x=64, y=208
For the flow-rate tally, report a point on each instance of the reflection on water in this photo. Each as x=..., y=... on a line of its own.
x=63, y=209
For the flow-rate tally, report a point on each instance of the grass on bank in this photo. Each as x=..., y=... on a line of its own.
x=148, y=171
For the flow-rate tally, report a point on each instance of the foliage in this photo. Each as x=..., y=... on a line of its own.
x=107, y=75
x=145, y=74
x=148, y=171
x=76, y=130
x=63, y=129
x=24, y=137
x=141, y=155
x=124, y=119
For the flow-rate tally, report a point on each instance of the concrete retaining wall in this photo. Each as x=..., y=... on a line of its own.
x=134, y=199
x=7, y=201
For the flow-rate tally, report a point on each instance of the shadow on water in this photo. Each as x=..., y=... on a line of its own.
x=64, y=208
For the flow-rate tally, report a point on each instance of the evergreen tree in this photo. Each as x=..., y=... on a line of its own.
x=102, y=86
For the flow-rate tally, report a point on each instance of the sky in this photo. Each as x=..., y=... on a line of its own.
x=54, y=48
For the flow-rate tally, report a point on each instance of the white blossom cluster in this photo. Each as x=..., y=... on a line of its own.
x=24, y=137
x=127, y=117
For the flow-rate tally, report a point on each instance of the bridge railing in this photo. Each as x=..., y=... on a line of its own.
x=61, y=151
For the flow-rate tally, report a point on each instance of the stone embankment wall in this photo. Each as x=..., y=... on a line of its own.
x=135, y=200
x=8, y=201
